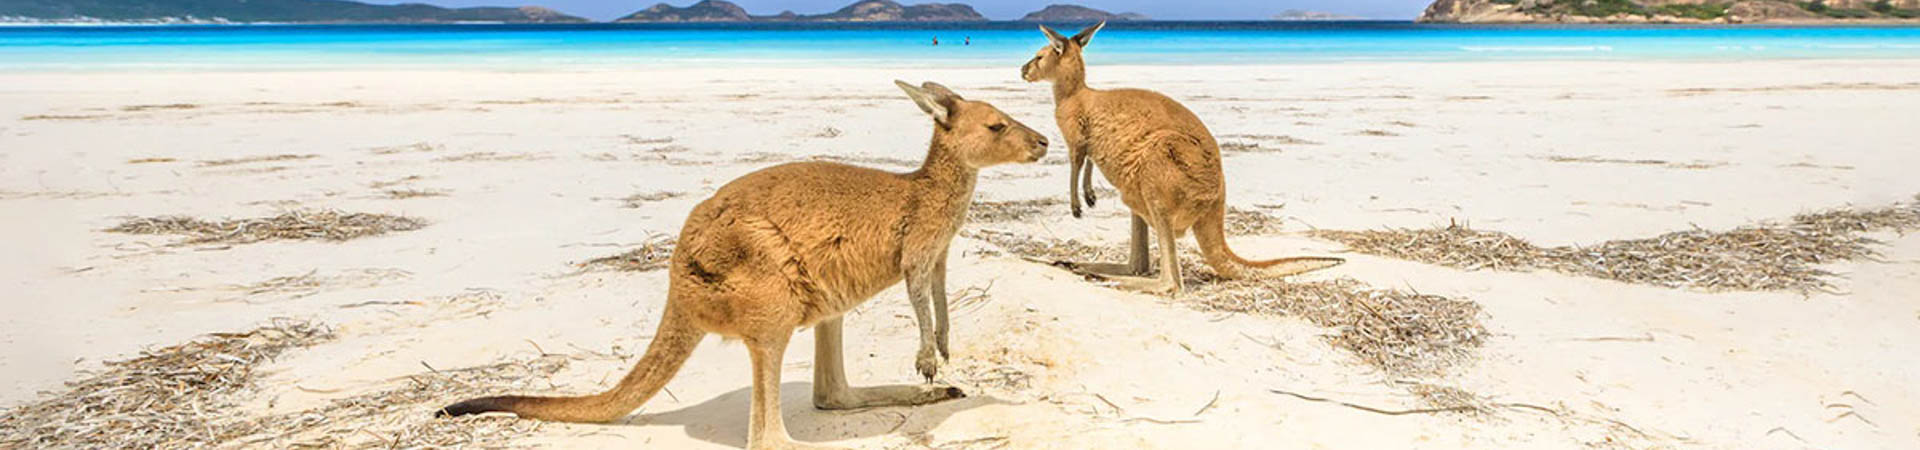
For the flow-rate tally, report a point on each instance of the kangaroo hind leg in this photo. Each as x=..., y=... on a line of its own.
x=1139, y=263
x=830, y=389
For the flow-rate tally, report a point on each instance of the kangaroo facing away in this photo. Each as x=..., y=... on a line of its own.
x=798, y=245
x=1162, y=159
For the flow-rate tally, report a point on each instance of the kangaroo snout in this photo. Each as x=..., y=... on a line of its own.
x=1026, y=70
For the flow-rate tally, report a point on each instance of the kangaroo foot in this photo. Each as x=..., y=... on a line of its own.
x=1092, y=271
x=891, y=395
x=1153, y=286
x=1105, y=269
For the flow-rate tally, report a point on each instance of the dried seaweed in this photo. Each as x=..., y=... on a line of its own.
x=191, y=396
x=1047, y=249
x=999, y=211
x=395, y=182
x=179, y=396
x=417, y=147
x=403, y=194
x=490, y=157
x=1402, y=333
x=1763, y=257
x=1638, y=162
x=297, y=225
x=643, y=198
x=1245, y=221
x=403, y=417
x=651, y=255
x=136, y=108
x=255, y=159
x=1015, y=210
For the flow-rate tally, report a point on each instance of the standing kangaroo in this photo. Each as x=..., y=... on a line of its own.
x=1164, y=162
x=799, y=245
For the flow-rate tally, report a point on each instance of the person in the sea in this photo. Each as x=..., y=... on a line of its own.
x=936, y=41
x=969, y=41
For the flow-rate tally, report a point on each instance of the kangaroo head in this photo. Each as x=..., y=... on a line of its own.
x=1061, y=58
x=976, y=132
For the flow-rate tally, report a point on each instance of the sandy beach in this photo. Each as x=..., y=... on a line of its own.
x=522, y=178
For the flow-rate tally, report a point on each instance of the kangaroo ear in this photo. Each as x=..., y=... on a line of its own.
x=1086, y=36
x=940, y=93
x=926, y=100
x=1059, y=42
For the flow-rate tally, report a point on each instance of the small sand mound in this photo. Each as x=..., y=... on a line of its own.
x=1762, y=257
x=654, y=254
x=174, y=397
x=298, y=225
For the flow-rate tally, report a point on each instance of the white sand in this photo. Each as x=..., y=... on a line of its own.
x=1487, y=143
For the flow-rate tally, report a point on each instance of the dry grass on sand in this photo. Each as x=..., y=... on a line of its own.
x=1238, y=221
x=403, y=194
x=255, y=159
x=297, y=225
x=1400, y=332
x=1766, y=256
x=638, y=200
x=651, y=255
x=192, y=395
x=179, y=396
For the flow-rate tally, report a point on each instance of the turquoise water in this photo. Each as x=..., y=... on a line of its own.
x=619, y=46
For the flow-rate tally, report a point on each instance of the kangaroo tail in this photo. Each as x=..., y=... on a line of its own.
x=1211, y=232
x=672, y=345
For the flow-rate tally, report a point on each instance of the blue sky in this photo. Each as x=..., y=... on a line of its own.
x=998, y=9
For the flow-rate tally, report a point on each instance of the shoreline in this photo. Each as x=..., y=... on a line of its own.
x=799, y=65
x=813, y=64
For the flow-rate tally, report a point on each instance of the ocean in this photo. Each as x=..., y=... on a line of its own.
x=627, y=46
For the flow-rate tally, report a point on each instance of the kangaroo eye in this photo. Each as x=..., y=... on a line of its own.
x=998, y=127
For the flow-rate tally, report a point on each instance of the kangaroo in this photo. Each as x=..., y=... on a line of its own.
x=799, y=245
x=1161, y=158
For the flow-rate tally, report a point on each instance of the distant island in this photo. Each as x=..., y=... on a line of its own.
x=1671, y=11
x=1077, y=13
x=268, y=11
x=1295, y=15
x=862, y=11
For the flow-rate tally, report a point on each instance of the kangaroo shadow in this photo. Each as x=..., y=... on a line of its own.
x=723, y=419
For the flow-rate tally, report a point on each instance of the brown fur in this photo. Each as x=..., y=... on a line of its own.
x=1161, y=158
x=798, y=245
